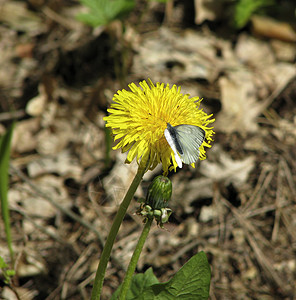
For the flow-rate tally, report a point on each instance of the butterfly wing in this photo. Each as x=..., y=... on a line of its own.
x=190, y=138
x=171, y=136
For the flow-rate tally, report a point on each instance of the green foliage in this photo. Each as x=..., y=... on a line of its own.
x=139, y=284
x=102, y=12
x=192, y=281
x=5, y=141
x=7, y=273
x=244, y=9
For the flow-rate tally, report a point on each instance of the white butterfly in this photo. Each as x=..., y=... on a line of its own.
x=185, y=141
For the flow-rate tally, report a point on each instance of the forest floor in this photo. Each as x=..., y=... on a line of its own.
x=57, y=79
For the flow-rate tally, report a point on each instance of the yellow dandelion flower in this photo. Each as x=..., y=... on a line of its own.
x=139, y=117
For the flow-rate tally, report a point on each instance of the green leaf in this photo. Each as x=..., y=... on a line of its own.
x=5, y=141
x=7, y=273
x=139, y=284
x=192, y=281
x=246, y=8
x=10, y=273
x=103, y=12
x=2, y=263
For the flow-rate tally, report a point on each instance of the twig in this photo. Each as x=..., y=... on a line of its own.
x=41, y=228
x=260, y=256
x=65, y=210
x=67, y=23
x=263, y=182
x=289, y=177
x=277, y=217
x=6, y=116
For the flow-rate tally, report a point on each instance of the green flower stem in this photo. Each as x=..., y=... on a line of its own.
x=99, y=279
x=134, y=260
x=5, y=143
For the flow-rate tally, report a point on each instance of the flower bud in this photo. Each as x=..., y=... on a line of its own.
x=155, y=205
x=159, y=192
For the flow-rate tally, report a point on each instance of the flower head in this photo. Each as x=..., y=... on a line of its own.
x=139, y=117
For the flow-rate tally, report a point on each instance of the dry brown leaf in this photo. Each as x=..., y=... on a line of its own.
x=185, y=192
x=285, y=131
x=36, y=106
x=33, y=266
x=168, y=55
x=226, y=169
x=268, y=27
x=207, y=10
x=284, y=51
x=62, y=163
x=208, y=213
x=24, y=293
x=22, y=194
x=55, y=139
x=25, y=50
x=239, y=107
x=17, y=16
x=254, y=52
x=280, y=74
x=24, y=135
x=92, y=139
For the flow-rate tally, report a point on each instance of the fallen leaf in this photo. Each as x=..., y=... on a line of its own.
x=254, y=52
x=239, y=106
x=271, y=28
x=284, y=51
x=36, y=105
x=23, y=293
x=62, y=163
x=185, y=192
x=170, y=55
x=207, y=10
x=226, y=169
x=55, y=139
x=24, y=135
x=19, y=17
x=22, y=194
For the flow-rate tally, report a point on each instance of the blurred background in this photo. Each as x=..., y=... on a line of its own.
x=60, y=64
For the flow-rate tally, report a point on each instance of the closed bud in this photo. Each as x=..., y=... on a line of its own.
x=155, y=205
x=159, y=192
